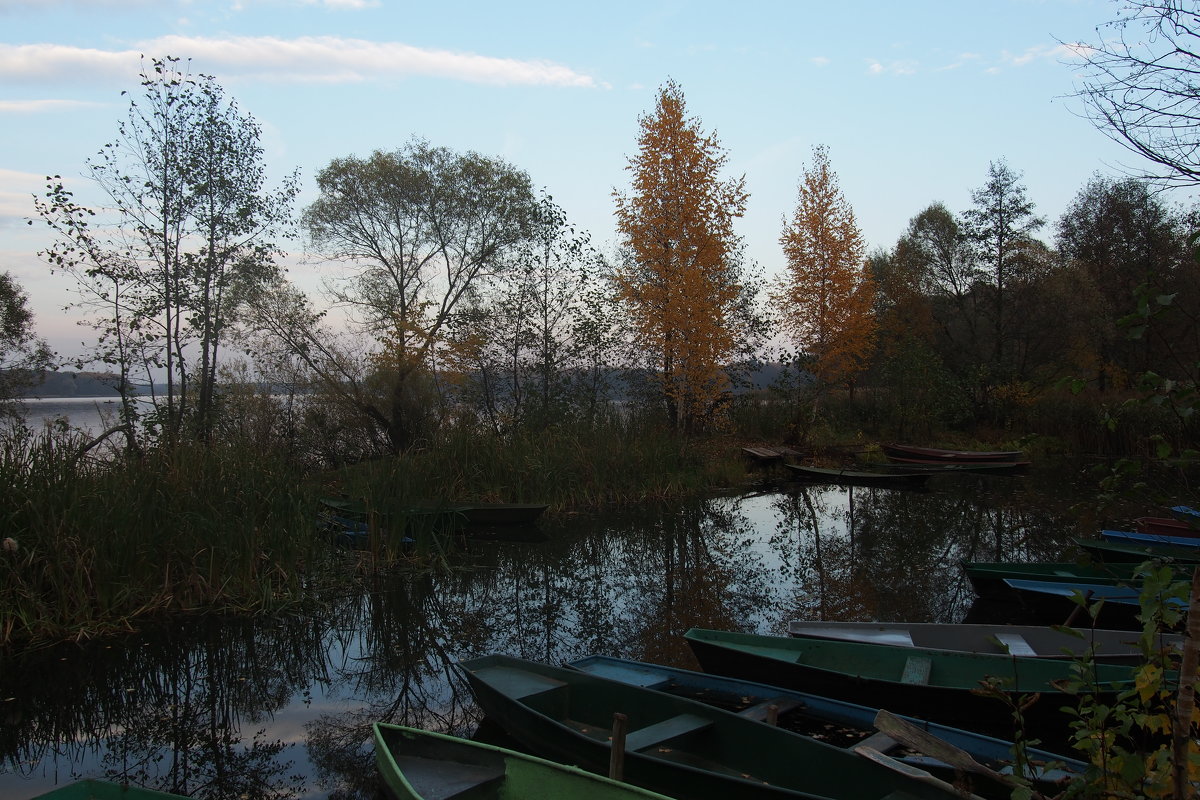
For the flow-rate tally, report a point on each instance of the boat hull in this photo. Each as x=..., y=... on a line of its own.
x=892, y=678
x=675, y=746
x=1131, y=552
x=988, y=577
x=858, y=477
x=105, y=790
x=1026, y=641
x=824, y=712
x=935, y=455
x=421, y=765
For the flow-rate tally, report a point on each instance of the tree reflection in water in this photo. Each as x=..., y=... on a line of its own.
x=282, y=707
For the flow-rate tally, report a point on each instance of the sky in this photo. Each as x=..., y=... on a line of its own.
x=913, y=99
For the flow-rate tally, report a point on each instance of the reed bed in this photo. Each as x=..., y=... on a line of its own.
x=571, y=469
x=90, y=546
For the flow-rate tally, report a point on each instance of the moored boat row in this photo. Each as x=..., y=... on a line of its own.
x=831, y=711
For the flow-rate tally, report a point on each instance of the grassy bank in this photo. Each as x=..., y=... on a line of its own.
x=90, y=546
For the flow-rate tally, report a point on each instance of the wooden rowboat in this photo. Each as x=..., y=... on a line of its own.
x=1026, y=641
x=858, y=477
x=421, y=765
x=676, y=745
x=933, y=455
x=853, y=723
x=937, y=685
x=105, y=790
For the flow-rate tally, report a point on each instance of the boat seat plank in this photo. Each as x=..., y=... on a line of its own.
x=1016, y=644
x=518, y=683
x=670, y=728
x=758, y=711
x=916, y=670
x=438, y=779
x=879, y=741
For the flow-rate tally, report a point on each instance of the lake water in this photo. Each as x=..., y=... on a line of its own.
x=281, y=707
x=89, y=413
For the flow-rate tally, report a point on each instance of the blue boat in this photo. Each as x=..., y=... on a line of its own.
x=1151, y=538
x=1054, y=601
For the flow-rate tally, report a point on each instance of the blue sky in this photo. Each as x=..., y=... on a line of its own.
x=912, y=98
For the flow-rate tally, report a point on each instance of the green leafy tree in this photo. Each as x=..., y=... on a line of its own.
x=1000, y=226
x=23, y=356
x=421, y=229
x=189, y=230
x=515, y=349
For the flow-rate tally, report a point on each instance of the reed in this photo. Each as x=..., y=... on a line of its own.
x=95, y=545
x=571, y=468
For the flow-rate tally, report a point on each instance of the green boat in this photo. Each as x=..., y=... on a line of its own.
x=987, y=577
x=1131, y=552
x=445, y=514
x=105, y=790
x=935, y=685
x=421, y=765
x=676, y=745
x=852, y=477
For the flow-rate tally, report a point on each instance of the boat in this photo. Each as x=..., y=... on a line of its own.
x=858, y=477
x=1150, y=538
x=1056, y=601
x=987, y=577
x=675, y=745
x=938, y=468
x=937, y=685
x=1137, y=552
x=769, y=454
x=1026, y=641
x=498, y=513
x=852, y=723
x=444, y=514
x=422, y=765
x=1165, y=526
x=90, y=789
x=932, y=455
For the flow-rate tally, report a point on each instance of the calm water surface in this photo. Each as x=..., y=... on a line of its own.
x=281, y=707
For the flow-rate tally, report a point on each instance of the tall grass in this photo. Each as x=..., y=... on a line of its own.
x=94, y=545
x=578, y=468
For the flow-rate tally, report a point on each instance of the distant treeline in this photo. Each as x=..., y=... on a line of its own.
x=73, y=384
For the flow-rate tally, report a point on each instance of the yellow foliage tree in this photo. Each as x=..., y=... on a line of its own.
x=824, y=299
x=683, y=282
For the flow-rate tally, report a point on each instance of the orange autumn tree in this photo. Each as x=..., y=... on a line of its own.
x=682, y=282
x=824, y=299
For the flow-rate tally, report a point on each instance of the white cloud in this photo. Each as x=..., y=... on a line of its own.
x=39, y=106
x=820, y=61
x=338, y=5
x=309, y=59
x=1041, y=52
x=902, y=67
x=16, y=201
x=77, y=5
